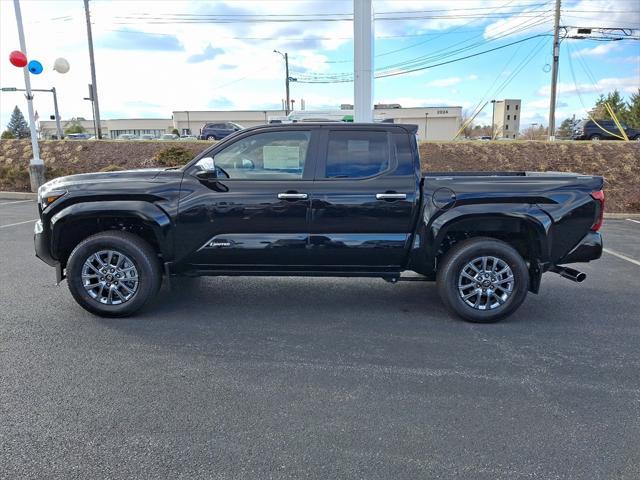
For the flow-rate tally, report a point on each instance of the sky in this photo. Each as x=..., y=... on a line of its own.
x=158, y=56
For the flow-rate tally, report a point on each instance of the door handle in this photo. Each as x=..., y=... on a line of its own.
x=293, y=196
x=391, y=196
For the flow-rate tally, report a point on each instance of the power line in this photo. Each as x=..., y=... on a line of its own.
x=404, y=72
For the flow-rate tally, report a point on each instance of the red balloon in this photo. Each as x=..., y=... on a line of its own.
x=18, y=59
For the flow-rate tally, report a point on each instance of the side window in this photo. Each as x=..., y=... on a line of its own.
x=266, y=156
x=404, y=155
x=357, y=154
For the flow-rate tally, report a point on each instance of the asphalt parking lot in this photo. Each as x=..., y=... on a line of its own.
x=319, y=378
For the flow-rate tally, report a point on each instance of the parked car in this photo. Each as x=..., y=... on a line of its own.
x=188, y=137
x=147, y=136
x=169, y=136
x=127, y=136
x=78, y=136
x=326, y=199
x=217, y=131
x=588, y=130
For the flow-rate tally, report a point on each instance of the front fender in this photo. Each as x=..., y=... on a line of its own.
x=148, y=214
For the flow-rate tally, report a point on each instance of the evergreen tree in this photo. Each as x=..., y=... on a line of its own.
x=632, y=117
x=615, y=101
x=17, y=125
x=567, y=126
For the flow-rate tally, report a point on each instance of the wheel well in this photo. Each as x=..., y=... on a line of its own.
x=77, y=231
x=515, y=232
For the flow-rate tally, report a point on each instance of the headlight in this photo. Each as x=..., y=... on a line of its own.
x=46, y=198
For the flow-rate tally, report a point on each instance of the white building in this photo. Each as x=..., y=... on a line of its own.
x=434, y=123
x=506, y=118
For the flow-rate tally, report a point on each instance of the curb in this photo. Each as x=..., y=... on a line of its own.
x=18, y=196
x=622, y=216
x=34, y=196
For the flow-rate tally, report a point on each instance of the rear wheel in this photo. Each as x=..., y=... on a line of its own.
x=595, y=136
x=113, y=274
x=483, y=280
x=211, y=137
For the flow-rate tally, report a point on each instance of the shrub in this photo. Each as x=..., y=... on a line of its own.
x=173, y=156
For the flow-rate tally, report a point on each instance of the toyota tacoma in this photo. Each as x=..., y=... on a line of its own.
x=318, y=199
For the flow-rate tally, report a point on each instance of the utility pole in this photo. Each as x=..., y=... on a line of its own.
x=285, y=55
x=96, y=107
x=36, y=165
x=493, y=118
x=56, y=113
x=363, y=47
x=554, y=73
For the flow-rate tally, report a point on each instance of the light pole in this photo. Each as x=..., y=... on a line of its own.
x=363, y=50
x=285, y=55
x=36, y=165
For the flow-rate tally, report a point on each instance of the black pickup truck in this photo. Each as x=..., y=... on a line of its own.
x=318, y=199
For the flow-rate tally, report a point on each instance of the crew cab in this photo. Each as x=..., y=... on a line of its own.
x=318, y=199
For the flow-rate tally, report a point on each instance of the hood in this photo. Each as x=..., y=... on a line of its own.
x=101, y=178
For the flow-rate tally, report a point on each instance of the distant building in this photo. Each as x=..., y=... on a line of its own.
x=434, y=123
x=506, y=118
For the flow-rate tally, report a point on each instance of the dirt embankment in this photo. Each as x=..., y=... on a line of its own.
x=618, y=162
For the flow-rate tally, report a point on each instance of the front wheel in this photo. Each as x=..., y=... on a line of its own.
x=211, y=137
x=113, y=274
x=483, y=280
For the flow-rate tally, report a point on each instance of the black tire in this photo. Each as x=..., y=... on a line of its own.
x=595, y=136
x=456, y=259
x=211, y=137
x=142, y=256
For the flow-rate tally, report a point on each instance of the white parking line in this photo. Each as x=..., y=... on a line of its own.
x=623, y=257
x=631, y=220
x=19, y=223
x=18, y=201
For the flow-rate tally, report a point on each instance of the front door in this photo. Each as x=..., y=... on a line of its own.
x=254, y=214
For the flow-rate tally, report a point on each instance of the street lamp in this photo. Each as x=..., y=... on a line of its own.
x=55, y=103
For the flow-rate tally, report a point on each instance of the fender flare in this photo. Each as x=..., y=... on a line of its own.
x=150, y=215
x=432, y=231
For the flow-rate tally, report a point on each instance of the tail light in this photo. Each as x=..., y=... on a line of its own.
x=598, y=197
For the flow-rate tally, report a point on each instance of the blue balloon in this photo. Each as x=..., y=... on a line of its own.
x=35, y=67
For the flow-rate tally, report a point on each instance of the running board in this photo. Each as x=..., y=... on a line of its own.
x=406, y=279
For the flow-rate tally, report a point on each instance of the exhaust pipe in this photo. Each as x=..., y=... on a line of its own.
x=570, y=273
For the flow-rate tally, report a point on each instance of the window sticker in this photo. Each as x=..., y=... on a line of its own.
x=278, y=157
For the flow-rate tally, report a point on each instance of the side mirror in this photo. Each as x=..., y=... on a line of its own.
x=206, y=175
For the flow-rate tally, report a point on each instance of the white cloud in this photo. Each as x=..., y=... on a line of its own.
x=623, y=84
x=596, y=51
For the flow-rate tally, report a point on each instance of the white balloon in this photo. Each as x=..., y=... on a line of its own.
x=61, y=65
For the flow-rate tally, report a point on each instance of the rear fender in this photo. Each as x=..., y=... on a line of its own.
x=433, y=232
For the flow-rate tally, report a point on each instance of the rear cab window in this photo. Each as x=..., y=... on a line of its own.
x=357, y=153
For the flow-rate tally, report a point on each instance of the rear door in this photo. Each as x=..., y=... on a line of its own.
x=363, y=198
